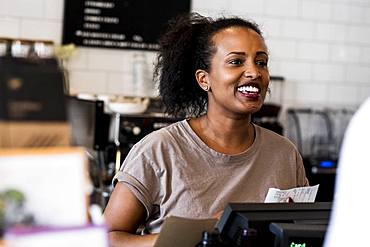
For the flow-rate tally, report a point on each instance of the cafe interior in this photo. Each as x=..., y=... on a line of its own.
x=77, y=93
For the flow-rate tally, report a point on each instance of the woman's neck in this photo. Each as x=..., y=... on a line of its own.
x=224, y=135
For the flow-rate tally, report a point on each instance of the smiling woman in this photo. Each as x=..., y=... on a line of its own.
x=239, y=71
x=214, y=73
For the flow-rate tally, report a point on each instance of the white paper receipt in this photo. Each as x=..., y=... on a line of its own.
x=299, y=194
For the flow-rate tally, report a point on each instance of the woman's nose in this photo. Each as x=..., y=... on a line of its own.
x=251, y=71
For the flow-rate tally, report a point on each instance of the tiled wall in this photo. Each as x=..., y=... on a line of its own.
x=321, y=47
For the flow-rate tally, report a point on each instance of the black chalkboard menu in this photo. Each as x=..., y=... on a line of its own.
x=126, y=24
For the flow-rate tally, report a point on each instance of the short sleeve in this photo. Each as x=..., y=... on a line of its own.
x=138, y=174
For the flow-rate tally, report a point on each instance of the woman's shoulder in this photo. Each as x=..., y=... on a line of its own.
x=157, y=143
x=269, y=136
x=164, y=135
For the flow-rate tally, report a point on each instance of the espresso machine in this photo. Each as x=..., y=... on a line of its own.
x=108, y=137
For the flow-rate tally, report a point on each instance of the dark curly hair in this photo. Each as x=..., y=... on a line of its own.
x=186, y=47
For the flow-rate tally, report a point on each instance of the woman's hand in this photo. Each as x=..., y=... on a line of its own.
x=289, y=199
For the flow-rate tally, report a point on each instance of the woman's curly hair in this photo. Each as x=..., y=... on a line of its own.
x=186, y=47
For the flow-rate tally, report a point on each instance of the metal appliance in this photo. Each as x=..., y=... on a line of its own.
x=108, y=137
x=318, y=134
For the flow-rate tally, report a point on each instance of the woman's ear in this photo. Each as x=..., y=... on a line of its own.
x=201, y=76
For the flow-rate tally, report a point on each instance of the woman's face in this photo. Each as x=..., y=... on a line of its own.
x=238, y=76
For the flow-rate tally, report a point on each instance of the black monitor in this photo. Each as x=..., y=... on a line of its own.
x=257, y=217
x=298, y=235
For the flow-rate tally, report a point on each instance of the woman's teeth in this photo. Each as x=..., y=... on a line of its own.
x=248, y=89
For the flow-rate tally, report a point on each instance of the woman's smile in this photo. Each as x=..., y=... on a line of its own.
x=252, y=91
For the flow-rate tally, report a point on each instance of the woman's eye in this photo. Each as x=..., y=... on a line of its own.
x=236, y=61
x=261, y=63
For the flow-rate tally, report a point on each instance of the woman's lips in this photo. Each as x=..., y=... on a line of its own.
x=251, y=90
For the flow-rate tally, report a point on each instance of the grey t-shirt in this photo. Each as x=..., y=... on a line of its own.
x=173, y=172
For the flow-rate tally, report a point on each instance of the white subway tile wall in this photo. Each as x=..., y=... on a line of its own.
x=299, y=29
x=79, y=60
x=313, y=51
x=363, y=92
x=282, y=49
x=25, y=8
x=331, y=32
x=255, y=7
x=357, y=74
x=328, y=72
x=271, y=27
x=52, y=9
x=316, y=10
x=321, y=47
x=107, y=60
x=280, y=8
x=217, y=5
x=347, y=53
x=364, y=55
x=9, y=27
x=125, y=84
x=311, y=92
x=40, y=29
x=367, y=16
x=339, y=94
x=88, y=81
x=297, y=70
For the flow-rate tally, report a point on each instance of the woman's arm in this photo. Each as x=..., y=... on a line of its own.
x=124, y=214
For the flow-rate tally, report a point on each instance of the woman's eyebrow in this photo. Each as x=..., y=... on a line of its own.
x=236, y=53
x=243, y=53
x=262, y=53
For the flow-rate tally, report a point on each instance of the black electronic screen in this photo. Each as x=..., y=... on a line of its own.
x=126, y=24
x=305, y=242
x=259, y=216
x=298, y=235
